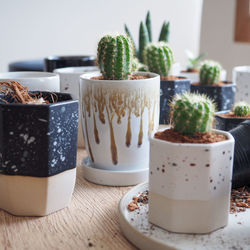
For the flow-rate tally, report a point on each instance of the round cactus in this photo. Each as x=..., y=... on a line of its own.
x=159, y=58
x=241, y=109
x=192, y=113
x=210, y=73
x=114, y=57
x=137, y=66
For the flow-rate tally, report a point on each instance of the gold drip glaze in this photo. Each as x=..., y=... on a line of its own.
x=128, y=133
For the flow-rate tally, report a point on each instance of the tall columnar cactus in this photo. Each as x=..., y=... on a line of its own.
x=210, y=73
x=164, y=34
x=241, y=109
x=192, y=113
x=114, y=55
x=159, y=58
x=143, y=40
x=148, y=25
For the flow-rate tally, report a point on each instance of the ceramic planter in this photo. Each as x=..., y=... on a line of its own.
x=241, y=76
x=117, y=117
x=241, y=172
x=56, y=62
x=41, y=81
x=227, y=123
x=38, y=156
x=29, y=65
x=190, y=184
x=168, y=90
x=222, y=95
x=69, y=83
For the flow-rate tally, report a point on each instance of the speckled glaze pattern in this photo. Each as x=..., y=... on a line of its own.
x=168, y=90
x=222, y=95
x=191, y=171
x=241, y=76
x=227, y=123
x=38, y=140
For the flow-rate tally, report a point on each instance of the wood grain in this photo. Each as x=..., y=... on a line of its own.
x=90, y=221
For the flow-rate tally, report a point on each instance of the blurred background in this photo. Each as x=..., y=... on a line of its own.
x=37, y=29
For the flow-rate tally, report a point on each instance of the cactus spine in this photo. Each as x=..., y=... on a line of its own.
x=159, y=58
x=210, y=73
x=192, y=113
x=114, y=57
x=241, y=109
x=143, y=40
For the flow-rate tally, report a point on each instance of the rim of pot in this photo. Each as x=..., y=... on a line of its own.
x=79, y=70
x=207, y=145
x=243, y=69
x=71, y=57
x=88, y=76
x=227, y=84
x=23, y=75
x=217, y=114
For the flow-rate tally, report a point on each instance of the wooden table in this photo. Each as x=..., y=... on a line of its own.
x=90, y=221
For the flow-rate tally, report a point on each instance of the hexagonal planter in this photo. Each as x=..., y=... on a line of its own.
x=38, y=155
x=190, y=184
x=170, y=88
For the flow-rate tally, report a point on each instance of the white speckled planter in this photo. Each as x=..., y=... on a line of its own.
x=190, y=184
x=41, y=81
x=69, y=83
x=117, y=118
x=241, y=76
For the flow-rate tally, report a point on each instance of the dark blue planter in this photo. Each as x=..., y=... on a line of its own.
x=227, y=123
x=38, y=140
x=29, y=65
x=55, y=62
x=222, y=95
x=168, y=90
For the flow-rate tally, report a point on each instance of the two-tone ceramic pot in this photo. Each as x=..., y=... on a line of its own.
x=117, y=118
x=190, y=184
x=69, y=83
x=38, y=145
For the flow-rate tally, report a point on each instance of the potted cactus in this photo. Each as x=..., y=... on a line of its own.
x=210, y=84
x=227, y=120
x=190, y=169
x=119, y=109
x=159, y=59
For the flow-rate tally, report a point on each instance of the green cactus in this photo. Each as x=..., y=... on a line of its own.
x=128, y=33
x=143, y=40
x=114, y=55
x=192, y=113
x=148, y=25
x=164, y=34
x=159, y=58
x=241, y=109
x=137, y=66
x=210, y=73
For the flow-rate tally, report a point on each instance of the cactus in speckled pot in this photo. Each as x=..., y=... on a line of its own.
x=159, y=58
x=114, y=57
x=210, y=73
x=241, y=109
x=192, y=113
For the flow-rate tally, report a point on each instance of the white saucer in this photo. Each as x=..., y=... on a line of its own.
x=145, y=235
x=113, y=178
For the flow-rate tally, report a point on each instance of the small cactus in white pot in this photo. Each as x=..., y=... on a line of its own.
x=190, y=169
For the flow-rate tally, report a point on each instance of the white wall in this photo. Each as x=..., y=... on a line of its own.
x=32, y=29
x=217, y=35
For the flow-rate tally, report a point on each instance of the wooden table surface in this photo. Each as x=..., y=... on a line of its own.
x=89, y=222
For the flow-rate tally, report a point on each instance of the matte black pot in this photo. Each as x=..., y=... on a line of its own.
x=222, y=95
x=29, y=65
x=241, y=170
x=38, y=140
x=168, y=90
x=55, y=62
x=227, y=123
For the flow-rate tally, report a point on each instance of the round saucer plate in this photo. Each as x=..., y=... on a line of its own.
x=113, y=178
x=144, y=235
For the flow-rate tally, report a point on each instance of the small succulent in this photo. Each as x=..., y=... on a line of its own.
x=192, y=113
x=137, y=66
x=194, y=62
x=114, y=56
x=241, y=109
x=159, y=58
x=145, y=36
x=210, y=73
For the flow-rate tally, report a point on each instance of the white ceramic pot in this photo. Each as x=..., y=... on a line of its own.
x=69, y=83
x=241, y=76
x=42, y=81
x=190, y=185
x=117, y=118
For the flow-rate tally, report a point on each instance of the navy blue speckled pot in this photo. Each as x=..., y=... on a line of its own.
x=168, y=90
x=227, y=123
x=222, y=95
x=38, y=140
